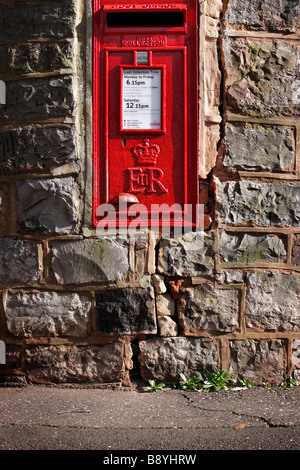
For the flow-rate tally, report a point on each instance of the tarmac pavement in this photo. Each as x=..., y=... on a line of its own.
x=164, y=425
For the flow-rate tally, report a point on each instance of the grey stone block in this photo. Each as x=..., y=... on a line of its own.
x=273, y=15
x=273, y=301
x=257, y=147
x=251, y=248
x=190, y=255
x=126, y=312
x=37, y=148
x=38, y=99
x=19, y=261
x=90, y=261
x=204, y=308
x=164, y=359
x=47, y=19
x=47, y=313
x=39, y=57
x=262, y=78
x=48, y=206
x=265, y=204
x=260, y=361
x=228, y=277
x=86, y=364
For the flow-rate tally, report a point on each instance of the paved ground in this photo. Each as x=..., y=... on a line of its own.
x=56, y=418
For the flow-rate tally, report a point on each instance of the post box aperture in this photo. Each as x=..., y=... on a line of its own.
x=145, y=109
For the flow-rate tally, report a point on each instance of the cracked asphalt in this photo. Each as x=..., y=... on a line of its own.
x=63, y=418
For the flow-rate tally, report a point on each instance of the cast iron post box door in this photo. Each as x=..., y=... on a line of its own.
x=145, y=108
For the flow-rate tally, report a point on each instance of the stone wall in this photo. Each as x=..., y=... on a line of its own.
x=76, y=308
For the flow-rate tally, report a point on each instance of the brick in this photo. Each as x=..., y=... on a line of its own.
x=47, y=313
x=265, y=204
x=48, y=206
x=254, y=147
x=67, y=364
x=47, y=19
x=126, y=311
x=272, y=15
x=84, y=261
x=251, y=248
x=260, y=361
x=272, y=301
x=163, y=359
x=262, y=78
x=39, y=57
x=190, y=255
x=204, y=308
x=19, y=261
x=36, y=148
x=38, y=99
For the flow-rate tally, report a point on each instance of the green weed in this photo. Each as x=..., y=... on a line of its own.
x=266, y=385
x=246, y=383
x=190, y=384
x=215, y=381
x=153, y=387
x=289, y=383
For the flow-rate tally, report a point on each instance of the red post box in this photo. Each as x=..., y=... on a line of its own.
x=145, y=110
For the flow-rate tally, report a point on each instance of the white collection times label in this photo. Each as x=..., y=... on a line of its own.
x=141, y=99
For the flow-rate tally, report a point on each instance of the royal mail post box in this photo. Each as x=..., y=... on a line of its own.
x=145, y=109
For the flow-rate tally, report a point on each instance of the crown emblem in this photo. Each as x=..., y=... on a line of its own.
x=146, y=153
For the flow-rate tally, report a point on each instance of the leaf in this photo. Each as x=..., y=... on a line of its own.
x=240, y=426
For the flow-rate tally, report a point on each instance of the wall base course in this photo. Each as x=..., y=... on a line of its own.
x=76, y=364
x=260, y=361
x=164, y=359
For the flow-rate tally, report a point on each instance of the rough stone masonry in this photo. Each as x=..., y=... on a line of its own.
x=78, y=309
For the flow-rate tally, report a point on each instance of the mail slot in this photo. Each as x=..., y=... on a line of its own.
x=145, y=113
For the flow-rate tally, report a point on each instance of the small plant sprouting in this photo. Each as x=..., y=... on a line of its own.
x=266, y=385
x=190, y=384
x=153, y=387
x=215, y=381
x=290, y=383
x=246, y=383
